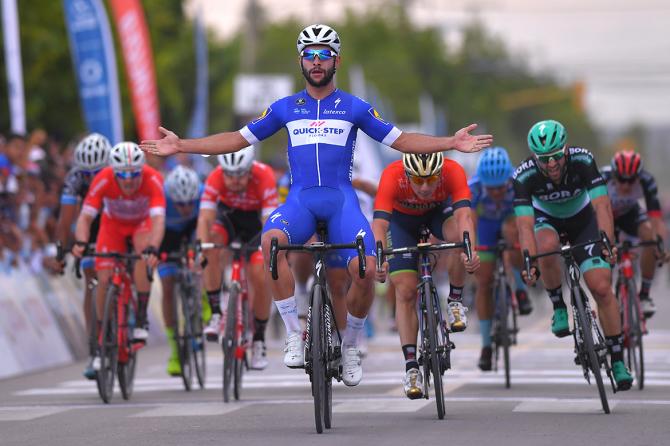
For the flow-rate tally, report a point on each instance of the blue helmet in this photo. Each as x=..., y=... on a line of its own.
x=494, y=167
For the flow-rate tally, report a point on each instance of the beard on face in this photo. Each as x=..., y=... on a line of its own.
x=327, y=76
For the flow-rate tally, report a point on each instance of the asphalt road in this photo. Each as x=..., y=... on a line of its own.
x=549, y=403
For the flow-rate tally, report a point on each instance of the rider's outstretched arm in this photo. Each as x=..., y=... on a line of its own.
x=525, y=225
x=462, y=141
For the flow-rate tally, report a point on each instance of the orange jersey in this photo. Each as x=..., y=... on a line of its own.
x=395, y=191
x=260, y=195
x=106, y=195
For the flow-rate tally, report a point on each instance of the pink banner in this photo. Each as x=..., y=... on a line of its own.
x=136, y=45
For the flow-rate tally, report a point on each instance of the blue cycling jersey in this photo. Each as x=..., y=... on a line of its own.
x=175, y=221
x=321, y=134
x=487, y=208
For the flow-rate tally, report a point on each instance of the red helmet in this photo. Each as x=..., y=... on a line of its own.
x=626, y=165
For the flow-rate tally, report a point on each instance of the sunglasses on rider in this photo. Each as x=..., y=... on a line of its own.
x=236, y=174
x=89, y=173
x=420, y=181
x=625, y=180
x=556, y=156
x=321, y=54
x=128, y=174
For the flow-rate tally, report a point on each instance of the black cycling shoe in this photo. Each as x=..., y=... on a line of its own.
x=485, y=359
x=525, y=305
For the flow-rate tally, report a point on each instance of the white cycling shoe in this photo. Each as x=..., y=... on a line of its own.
x=213, y=329
x=352, y=371
x=258, y=357
x=295, y=350
x=458, y=321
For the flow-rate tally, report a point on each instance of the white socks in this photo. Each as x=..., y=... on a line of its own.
x=288, y=309
x=353, y=331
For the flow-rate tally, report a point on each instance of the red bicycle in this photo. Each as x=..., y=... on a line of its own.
x=235, y=340
x=632, y=318
x=118, y=351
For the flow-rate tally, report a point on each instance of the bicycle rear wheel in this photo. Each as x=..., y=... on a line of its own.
x=109, y=347
x=183, y=333
x=317, y=356
x=586, y=321
x=634, y=349
x=433, y=358
x=229, y=343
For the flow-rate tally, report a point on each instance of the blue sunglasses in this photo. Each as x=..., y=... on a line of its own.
x=125, y=175
x=321, y=54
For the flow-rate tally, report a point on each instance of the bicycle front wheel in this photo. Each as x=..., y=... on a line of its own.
x=317, y=357
x=241, y=351
x=433, y=360
x=229, y=343
x=198, y=339
x=634, y=349
x=183, y=333
x=504, y=335
x=109, y=347
x=126, y=369
x=586, y=321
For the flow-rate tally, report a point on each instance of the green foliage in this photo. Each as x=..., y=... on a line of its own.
x=400, y=60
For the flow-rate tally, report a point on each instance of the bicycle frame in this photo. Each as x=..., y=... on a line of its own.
x=238, y=280
x=321, y=356
x=626, y=278
x=589, y=342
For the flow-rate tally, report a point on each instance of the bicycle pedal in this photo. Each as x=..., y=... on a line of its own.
x=578, y=360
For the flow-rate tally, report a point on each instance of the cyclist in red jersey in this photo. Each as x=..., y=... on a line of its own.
x=239, y=196
x=422, y=190
x=130, y=196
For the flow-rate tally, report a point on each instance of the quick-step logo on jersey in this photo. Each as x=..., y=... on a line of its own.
x=303, y=132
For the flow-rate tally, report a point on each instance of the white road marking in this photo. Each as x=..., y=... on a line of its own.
x=28, y=413
x=189, y=410
x=398, y=405
x=586, y=406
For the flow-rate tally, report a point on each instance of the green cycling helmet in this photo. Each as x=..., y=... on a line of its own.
x=546, y=137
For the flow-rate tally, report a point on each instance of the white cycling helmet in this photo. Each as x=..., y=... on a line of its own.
x=92, y=152
x=183, y=185
x=319, y=35
x=423, y=164
x=239, y=162
x=126, y=156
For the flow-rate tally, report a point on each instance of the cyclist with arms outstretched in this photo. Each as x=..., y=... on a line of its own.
x=321, y=122
x=559, y=190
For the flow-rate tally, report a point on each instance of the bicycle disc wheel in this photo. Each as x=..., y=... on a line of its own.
x=109, y=347
x=635, y=350
x=586, y=321
x=183, y=334
x=433, y=347
x=241, y=351
x=229, y=343
x=317, y=366
x=198, y=339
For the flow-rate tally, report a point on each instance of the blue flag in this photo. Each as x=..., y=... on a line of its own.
x=94, y=62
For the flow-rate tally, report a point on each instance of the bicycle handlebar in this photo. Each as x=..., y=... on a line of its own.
x=358, y=245
x=424, y=247
x=117, y=256
x=564, y=251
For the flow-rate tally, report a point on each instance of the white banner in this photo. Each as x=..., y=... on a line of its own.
x=253, y=93
x=10, y=27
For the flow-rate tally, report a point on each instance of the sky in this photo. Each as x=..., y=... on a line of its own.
x=620, y=49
